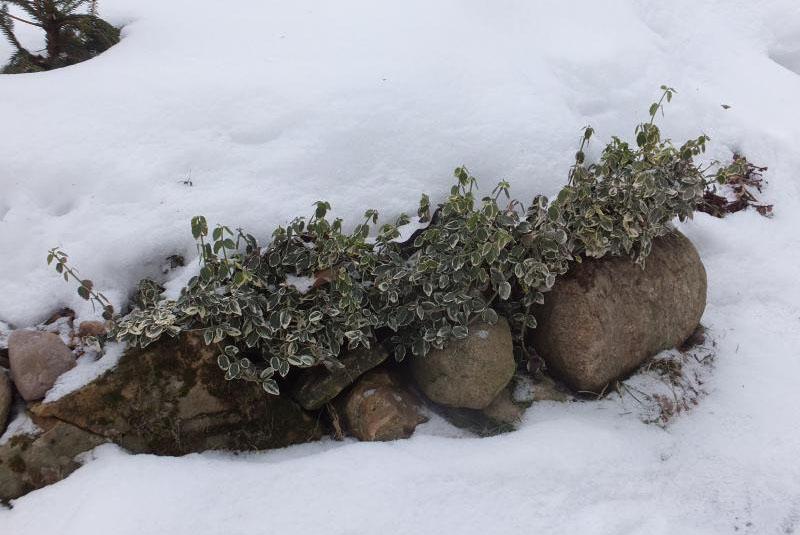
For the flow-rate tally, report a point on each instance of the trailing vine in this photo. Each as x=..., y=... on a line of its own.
x=313, y=290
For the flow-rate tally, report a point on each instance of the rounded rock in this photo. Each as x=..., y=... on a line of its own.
x=37, y=359
x=468, y=373
x=379, y=408
x=604, y=318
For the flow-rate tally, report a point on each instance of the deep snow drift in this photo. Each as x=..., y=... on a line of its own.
x=269, y=106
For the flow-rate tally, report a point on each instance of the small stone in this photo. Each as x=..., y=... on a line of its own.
x=379, y=408
x=6, y=399
x=503, y=410
x=503, y=415
x=92, y=328
x=468, y=373
x=37, y=359
x=545, y=389
x=317, y=386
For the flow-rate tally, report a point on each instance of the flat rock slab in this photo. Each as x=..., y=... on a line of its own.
x=317, y=386
x=171, y=399
x=605, y=317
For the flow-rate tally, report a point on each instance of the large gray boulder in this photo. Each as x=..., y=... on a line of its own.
x=605, y=317
x=468, y=373
x=173, y=399
x=37, y=359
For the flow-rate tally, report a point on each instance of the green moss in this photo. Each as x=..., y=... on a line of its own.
x=21, y=442
x=113, y=398
x=17, y=464
x=101, y=421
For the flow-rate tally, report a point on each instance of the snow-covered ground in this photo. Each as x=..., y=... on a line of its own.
x=269, y=106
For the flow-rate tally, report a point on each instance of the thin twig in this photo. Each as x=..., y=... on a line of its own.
x=9, y=15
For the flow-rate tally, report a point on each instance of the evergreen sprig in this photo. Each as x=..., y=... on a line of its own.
x=73, y=33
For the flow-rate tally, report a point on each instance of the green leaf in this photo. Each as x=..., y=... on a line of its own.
x=460, y=332
x=270, y=387
x=489, y=316
x=199, y=227
x=504, y=291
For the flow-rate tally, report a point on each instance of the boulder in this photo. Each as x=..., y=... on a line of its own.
x=36, y=360
x=318, y=385
x=171, y=399
x=6, y=399
x=468, y=373
x=379, y=407
x=29, y=462
x=605, y=317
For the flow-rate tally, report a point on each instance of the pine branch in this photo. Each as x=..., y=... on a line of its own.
x=9, y=15
x=7, y=29
x=34, y=9
x=69, y=7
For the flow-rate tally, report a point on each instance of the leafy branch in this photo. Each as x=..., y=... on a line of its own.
x=85, y=286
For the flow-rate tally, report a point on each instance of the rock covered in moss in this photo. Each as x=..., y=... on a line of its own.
x=172, y=399
x=37, y=359
x=468, y=373
x=605, y=317
x=379, y=408
x=30, y=462
x=318, y=385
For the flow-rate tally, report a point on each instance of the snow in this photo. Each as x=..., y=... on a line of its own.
x=272, y=105
x=5, y=330
x=301, y=284
x=19, y=425
x=87, y=368
x=406, y=231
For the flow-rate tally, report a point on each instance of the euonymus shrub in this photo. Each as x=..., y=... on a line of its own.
x=314, y=291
